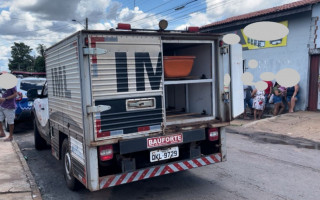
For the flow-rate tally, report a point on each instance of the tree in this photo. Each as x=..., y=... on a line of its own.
x=41, y=49
x=21, y=58
x=39, y=65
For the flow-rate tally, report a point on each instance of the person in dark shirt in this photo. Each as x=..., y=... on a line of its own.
x=292, y=97
x=7, y=110
x=247, y=89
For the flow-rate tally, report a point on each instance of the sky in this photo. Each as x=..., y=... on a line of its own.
x=35, y=22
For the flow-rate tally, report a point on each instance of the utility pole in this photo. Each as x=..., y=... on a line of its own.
x=86, y=23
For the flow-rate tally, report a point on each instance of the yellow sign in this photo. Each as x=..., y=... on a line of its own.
x=248, y=43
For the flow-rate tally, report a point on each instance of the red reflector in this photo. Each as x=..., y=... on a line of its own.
x=124, y=26
x=103, y=134
x=193, y=29
x=98, y=129
x=106, y=152
x=144, y=128
x=213, y=134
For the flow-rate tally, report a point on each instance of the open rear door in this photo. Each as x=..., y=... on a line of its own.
x=236, y=83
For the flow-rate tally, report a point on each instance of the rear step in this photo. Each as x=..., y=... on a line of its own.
x=113, y=180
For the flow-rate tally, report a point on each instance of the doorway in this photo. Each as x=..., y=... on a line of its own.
x=314, y=84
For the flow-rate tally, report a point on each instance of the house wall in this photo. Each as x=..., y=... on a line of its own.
x=295, y=55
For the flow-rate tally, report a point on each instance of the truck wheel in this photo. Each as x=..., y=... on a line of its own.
x=72, y=182
x=39, y=142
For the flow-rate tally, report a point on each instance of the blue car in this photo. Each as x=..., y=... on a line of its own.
x=24, y=106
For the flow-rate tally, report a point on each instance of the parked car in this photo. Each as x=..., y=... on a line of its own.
x=24, y=106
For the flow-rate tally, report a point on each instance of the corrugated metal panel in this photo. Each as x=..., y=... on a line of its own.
x=117, y=71
x=63, y=76
x=131, y=68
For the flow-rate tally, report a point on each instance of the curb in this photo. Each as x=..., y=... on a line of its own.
x=275, y=138
x=261, y=120
x=35, y=192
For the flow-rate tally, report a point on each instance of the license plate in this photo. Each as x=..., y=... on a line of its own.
x=164, y=154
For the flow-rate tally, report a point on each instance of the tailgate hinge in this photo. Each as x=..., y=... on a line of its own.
x=94, y=51
x=96, y=109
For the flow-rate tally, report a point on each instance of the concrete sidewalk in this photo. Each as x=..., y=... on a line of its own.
x=299, y=128
x=16, y=180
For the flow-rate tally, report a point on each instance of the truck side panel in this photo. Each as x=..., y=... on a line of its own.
x=64, y=100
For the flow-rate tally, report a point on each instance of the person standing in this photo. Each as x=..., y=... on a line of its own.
x=267, y=93
x=7, y=110
x=247, y=89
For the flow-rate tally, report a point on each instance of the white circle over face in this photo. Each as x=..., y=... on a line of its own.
x=266, y=31
x=227, y=79
x=231, y=38
x=288, y=77
x=261, y=85
x=8, y=81
x=253, y=63
x=267, y=76
x=247, y=78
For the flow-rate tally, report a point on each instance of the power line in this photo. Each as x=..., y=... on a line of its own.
x=209, y=8
x=205, y=8
x=15, y=18
x=148, y=16
x=158, y=6
x=172, y=11
x=16, y=33
x=40, y=39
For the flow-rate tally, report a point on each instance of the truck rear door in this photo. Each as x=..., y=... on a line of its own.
x=128, y=78
x=236, y=66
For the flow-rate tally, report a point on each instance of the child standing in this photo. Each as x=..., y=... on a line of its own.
x=258, y=103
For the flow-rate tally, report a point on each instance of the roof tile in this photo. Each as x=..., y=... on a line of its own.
x=263, y=12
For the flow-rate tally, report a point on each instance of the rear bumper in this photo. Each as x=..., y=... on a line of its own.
x=140, y=144
x=119, y=179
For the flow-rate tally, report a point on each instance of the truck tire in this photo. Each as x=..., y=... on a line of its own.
x=72, y=182
x=39, y=142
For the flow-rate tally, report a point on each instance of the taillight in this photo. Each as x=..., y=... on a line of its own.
x=19, y=96
x=106, y=152
x=213, y=134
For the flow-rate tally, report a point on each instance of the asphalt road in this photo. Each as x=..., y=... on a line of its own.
x=254, y=170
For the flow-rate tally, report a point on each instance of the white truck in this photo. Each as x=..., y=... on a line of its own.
x=113, y=117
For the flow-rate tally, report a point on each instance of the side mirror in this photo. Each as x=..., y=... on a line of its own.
x=32, y=94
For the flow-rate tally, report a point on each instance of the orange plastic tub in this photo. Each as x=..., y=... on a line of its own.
x=177, y=66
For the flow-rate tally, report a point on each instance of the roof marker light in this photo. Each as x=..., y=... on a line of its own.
x=124, y=26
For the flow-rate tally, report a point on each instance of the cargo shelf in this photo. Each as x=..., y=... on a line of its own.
x=190, y=99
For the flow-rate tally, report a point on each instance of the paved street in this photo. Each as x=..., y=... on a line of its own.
x=254, y=170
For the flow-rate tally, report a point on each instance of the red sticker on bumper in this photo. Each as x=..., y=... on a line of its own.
x=164, y=140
